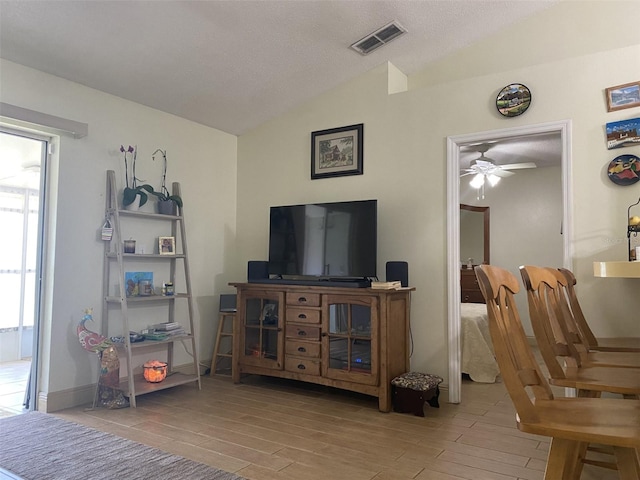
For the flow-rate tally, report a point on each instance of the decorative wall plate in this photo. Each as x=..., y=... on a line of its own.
x=624, y=170
x=513, y=100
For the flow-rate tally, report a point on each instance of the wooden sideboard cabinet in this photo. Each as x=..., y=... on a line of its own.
x=469, y=288
x=350, y=338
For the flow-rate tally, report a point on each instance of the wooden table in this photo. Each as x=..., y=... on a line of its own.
x=616, y=269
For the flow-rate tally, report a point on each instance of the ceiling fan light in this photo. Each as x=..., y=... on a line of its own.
x=477, y=181
x=493, y=180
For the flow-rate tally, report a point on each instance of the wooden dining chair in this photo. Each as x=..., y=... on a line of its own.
x=570, y=422
x=624, y=344
x=544, y=296
x=567, y=333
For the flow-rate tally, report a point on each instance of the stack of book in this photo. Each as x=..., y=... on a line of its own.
x=165, y=330
x=386, y=285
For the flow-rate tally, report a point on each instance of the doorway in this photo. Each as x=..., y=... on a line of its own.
x=23, y=158
x=454, y=144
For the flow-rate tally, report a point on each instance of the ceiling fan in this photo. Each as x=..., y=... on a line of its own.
x=485, y=169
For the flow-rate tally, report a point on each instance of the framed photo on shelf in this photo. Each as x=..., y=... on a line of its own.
x=138, y=283
x=337, y=152
x=623, y=96
x=167, y=245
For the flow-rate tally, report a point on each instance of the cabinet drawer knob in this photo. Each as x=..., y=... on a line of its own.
x=301, y=366
x=302, y=349
x=302, y=299
x=302, y=315
x=302, y=333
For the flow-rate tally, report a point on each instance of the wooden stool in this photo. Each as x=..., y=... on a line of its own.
x=222, y=332
x=410, y=390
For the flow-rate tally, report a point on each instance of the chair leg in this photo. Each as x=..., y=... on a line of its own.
x=214, y=360
x=562, y=460
x=627, y=462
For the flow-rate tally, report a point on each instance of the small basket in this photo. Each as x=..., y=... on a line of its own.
x=154, y=371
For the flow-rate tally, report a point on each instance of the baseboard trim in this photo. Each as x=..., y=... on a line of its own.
x=75, y=397
x=60, y=400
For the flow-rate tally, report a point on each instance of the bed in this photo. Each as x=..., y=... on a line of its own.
x=478, y=359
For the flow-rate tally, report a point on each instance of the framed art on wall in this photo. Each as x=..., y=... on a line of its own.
x=623, y=96
x=337, y=152
x=624, y=170
x=513, y=100
x=624, y=133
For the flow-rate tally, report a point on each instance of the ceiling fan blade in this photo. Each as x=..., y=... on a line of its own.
x=502, y=173
x=517, y=166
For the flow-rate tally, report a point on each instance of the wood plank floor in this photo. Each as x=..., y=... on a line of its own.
x=272, y=429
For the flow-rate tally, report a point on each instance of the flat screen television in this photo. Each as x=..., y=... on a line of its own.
x=335, y=240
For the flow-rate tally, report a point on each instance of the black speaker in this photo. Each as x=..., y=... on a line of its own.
x=257, y=270
x=398, y=271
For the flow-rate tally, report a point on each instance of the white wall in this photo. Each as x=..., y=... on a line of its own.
x=202, y=159
x=405, y=155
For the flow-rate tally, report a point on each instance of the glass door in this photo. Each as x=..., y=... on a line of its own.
x=23, y=157
x=350, y=339
x=263, y=339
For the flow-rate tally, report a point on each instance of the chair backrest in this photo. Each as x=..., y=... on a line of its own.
x=578, y=315
x=549, y=314
x=518, y=366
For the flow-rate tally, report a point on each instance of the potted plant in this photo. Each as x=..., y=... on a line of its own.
x=133, y=196
x=166, y=202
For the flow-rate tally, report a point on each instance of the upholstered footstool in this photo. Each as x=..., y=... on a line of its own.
x=412, y=389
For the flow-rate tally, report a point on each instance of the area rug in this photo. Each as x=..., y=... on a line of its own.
x=38, y=446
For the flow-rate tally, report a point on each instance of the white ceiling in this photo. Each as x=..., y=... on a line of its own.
x=543, y=149
x=234, y=64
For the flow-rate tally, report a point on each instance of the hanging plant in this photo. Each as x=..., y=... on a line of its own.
x=163, y=194
x=133, y=190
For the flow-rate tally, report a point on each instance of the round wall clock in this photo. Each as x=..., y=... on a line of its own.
x=624, y=170
x=513, y=100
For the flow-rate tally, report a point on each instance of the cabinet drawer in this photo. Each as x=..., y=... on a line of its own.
x=302, y=349
x=308, y=299
x=468, y=281
x=302, y=365
x=303, y=332
x=303, y=315
x=472, y=296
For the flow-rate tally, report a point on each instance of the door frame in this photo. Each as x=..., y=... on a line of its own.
x=563, y=127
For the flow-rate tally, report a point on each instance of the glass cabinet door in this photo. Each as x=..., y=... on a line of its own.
x=350, y=339
x=263, y=338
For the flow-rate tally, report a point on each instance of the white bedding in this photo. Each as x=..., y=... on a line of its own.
x=478, y=359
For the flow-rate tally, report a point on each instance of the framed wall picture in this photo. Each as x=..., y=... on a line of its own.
x=623, y=96
x=167, y=245
x=513, y=100
x=624, y=133
x=337, y=152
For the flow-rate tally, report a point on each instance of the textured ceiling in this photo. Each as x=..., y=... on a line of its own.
x=233, y=65
x=543, y=149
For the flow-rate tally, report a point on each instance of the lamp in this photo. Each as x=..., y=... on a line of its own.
x=154, y=371
x=477, y=181
x=493, y=179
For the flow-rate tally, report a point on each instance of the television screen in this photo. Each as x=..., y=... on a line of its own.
x=331, y=240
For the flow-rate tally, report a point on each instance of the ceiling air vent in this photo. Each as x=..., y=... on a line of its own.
x=379, y=38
